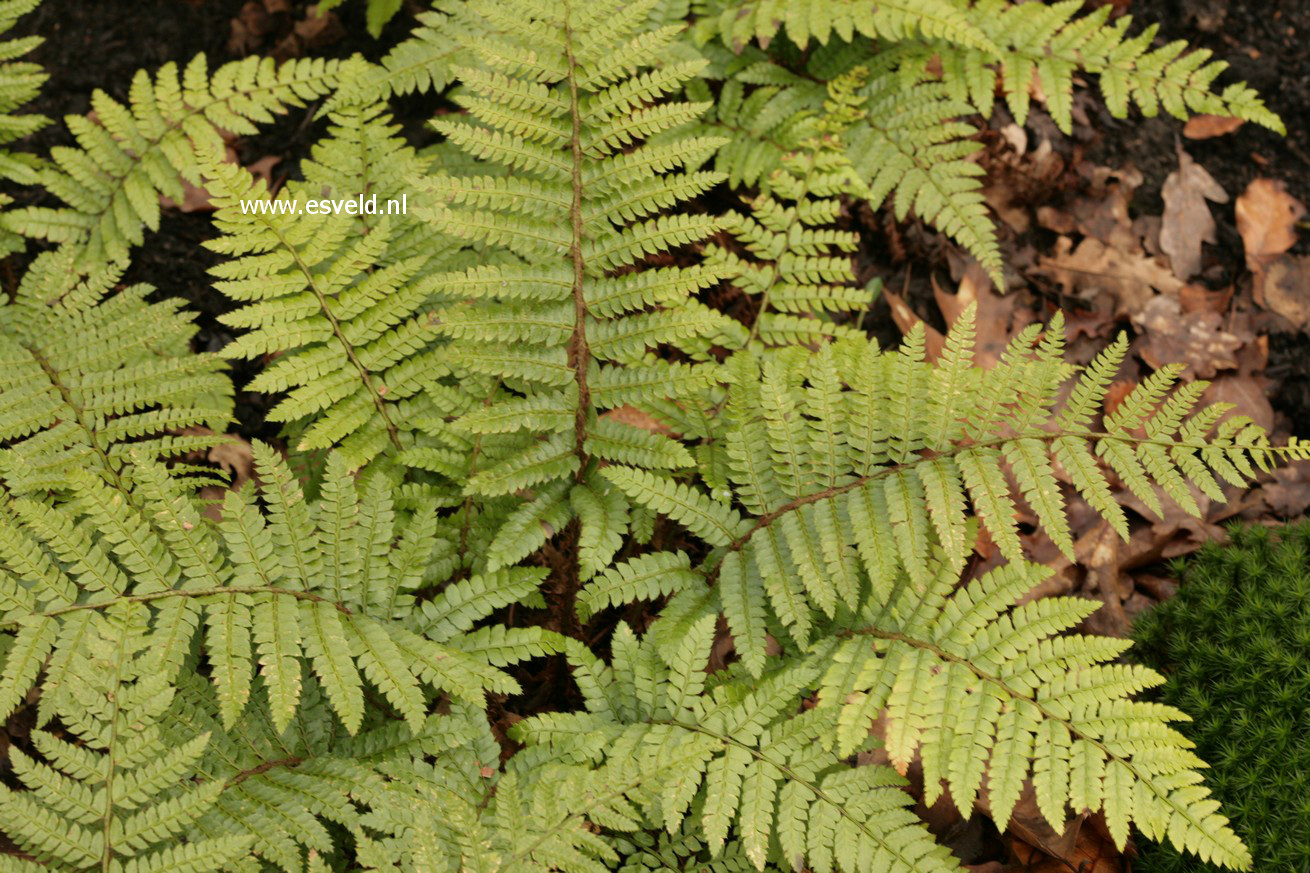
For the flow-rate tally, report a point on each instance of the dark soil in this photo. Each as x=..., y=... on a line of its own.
x=1267, y=44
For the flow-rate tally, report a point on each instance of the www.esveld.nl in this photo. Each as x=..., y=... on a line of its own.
x=350, y=206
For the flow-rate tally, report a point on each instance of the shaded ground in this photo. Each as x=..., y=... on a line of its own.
x=1267, y=44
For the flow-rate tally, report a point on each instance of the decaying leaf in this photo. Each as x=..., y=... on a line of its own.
x=1195, y=339
x=1246, y=393
x=1094, y=269
x=1284, y=287
x=1210, y=126
x=1266, y=219
x=1187, y=221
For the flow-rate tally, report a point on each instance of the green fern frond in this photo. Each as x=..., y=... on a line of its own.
x=1050, y=44
x=84, y=381
x=737, y=23
x=109, y=799
x=592, y=164
x=734, y=758
x=867, y=476
x=260, y=583
x=801, y=267
x=20, y=82
x=128, y=157
x=346, y=300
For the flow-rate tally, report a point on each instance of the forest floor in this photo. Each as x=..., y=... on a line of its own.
x=1103, y=224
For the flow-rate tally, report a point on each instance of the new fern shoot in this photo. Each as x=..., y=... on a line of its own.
x=516, y=427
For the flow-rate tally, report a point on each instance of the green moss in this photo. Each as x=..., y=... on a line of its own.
x=1235, y=644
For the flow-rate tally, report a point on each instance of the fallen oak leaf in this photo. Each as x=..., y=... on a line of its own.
x=1266, y=219
x=1187, y=221
x=1210, y=126
x=1094, y=269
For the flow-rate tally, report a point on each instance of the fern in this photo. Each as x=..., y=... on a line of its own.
x=127, y=157
x=1050, y=44
x=347, y=300
x=800, y=268
x=821, y=20
x=515, y=411
x=82, y=384
x=21, y=81
x=566, y=335
x=257, y=582
x=108, y=799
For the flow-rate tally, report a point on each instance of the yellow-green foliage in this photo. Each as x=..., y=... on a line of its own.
x=520, y=429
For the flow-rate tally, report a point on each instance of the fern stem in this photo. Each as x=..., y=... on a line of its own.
x=290, y=761
x=67, y=395
x=579, y=352
x=107, y=821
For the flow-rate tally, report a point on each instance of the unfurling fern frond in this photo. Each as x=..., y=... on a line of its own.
x=570, y=99
x=86, y=379
x=127, y=157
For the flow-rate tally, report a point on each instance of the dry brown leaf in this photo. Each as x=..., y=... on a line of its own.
x=1198, y=298
x=998, y=317
x=1104, y=211
x=1187, y=221
x=1194, y=339
x=634, y=417
x=1246, y=393
x=906, y=319
x=1093, y=270
x=1093, y=851
x=1288, y=496
x=1210, y=126
x=1284, y=287
x=235, y=457
x=248, y=28
x=1266, y=219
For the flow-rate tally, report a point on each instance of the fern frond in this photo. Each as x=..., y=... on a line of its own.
x=84, y=381
x=569, y=115
x=762, y=20
x=20, y=82
x=347, y=300
x=267, y=597
x=130, y=156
